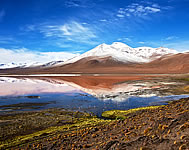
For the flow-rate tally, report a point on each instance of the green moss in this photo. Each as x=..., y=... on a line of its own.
x=186, y=79
x=122, y=114
x=183, y=79
x=88, y=122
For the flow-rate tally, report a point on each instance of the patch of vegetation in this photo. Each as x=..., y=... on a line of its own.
x=184, y=79
x=159, y=126
x=74, y=121
x=122, y=114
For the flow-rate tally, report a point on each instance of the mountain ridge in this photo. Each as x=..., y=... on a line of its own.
x=118, y=51
x=122, y=52
x=102, y=60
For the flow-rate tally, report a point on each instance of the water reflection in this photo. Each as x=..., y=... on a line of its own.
x=95, y=94
x=26, y=86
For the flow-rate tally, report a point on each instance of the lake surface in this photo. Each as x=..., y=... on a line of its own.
x=91, y=94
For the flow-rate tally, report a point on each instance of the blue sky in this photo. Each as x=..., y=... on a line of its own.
x=76, y=26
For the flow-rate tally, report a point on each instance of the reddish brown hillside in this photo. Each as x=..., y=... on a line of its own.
x=178, y=63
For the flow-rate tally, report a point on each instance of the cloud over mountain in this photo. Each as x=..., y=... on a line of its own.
x=27, y=56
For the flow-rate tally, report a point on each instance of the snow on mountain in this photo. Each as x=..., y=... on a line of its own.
x=52, y=63
x=20, y=65
x=25, y=65
x=152, y=53
x=10, y=65
x=122, y=52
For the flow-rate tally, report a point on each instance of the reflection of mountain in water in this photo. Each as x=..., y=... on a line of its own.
x=83, y=93
x=120, y=92
x=117, y=90
x=26, y=86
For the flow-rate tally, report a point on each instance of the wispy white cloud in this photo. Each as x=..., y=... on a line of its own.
x=73, y=3
x=138, y=10
x=179, y=45
x=72, y=31
x=125, y=39
x=171, y=38
x=103, y=20
x=2, y=14
x=24, y=55
x=79, y=3
x=30, y=27
x=141, y=42
x=120, y=15
x=84, y=23
x=6, y=40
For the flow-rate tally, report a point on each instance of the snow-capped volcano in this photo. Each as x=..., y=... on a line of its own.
x=122, y=52
x=105, y=54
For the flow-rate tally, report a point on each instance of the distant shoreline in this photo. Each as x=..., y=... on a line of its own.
x=85, y=74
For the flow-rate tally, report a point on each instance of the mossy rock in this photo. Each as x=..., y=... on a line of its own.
x=122, y=114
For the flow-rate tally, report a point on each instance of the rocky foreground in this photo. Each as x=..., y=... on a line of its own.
x=163, y=127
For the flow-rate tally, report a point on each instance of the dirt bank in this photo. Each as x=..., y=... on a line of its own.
x=164, y=127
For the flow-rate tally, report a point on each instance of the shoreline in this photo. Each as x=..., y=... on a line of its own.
x=89, y=74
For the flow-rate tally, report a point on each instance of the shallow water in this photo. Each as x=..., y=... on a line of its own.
x=84, y=95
